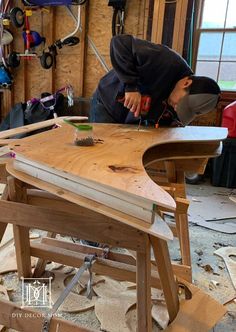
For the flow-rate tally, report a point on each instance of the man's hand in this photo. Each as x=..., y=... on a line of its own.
x=133, y=102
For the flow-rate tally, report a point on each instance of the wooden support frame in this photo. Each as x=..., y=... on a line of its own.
x=179, y=25
x=83, y=46
x=118, y=228
x=6, y=102
x=129, y=237
x=23, y=319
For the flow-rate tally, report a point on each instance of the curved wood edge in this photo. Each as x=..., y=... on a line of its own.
x=193, y=315
x=152, y=229
x=115, y=173
x=185, y=150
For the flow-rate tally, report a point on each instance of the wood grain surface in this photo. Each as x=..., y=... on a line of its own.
x=113, y=166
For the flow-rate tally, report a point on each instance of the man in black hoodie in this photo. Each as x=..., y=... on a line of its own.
x=142, y=68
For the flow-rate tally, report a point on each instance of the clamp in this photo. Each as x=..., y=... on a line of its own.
x=87, y=265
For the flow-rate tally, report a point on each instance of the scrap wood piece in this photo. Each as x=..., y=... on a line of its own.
x=131, y=320
x=7, y=236
x=128, y=284
x=111, y=312
x=157, y=294
x=225, y=253
x=216, y=225
x=3, y=295
x=73, y=302
x=198, y=314
x=29, y=324
x=220, y=207
x=160, y=313
x=110, y=288
x=232, y=198
x=83, y=281
x=8, y=259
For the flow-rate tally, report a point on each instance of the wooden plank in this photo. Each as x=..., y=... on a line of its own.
x=16, y=190
x=41, y=263
x=181, y=218
x=168, y=283
x=2, y=230
x=86, y=225
x=116, y=270
x=44, y=124
x=6, y=102
x=198, y=313
x=87, y=203
x=115, y=256
x=170, y=171
x=17, y=193
x=26, y=320
x=182, y=271
x=157, y=21
x=3, y=173
x=144, y=289
x=22, y=247
x=179, y=25
x=99, y=194
x=84, y=15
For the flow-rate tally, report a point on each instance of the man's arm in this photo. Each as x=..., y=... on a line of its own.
x=123, y=59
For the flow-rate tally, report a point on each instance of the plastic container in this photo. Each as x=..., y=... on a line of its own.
x=84, y=135
x=229, y=119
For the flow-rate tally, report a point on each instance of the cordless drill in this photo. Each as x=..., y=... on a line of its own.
x=145, y=104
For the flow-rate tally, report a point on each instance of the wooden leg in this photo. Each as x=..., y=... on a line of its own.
x=170, y=171
x=17, y=193
x=143, y=264
x=2, y=230
x=180, y=179
x=184, y=239
x=22, y=246
x=41, y=263
x=166, y=275
x=3, y=226
x=181, y=218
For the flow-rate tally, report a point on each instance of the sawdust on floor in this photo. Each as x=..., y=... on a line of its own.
x=209, y=270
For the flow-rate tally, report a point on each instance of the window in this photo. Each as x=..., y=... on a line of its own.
x=216, y=39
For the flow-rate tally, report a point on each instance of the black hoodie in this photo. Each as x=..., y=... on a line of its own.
x=140, y=65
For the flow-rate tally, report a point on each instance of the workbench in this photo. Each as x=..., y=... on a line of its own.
x=103, y=193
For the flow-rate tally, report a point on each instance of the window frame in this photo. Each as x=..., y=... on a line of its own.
x=197, y=34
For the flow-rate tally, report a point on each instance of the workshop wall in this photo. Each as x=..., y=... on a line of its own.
x=78, y=64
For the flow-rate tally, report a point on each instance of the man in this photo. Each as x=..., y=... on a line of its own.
x=142, y=68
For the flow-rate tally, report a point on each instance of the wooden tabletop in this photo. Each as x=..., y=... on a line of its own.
x=113, y=166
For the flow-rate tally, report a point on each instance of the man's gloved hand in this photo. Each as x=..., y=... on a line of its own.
x=133, y=102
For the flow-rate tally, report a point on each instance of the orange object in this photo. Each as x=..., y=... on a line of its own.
x=145, y=103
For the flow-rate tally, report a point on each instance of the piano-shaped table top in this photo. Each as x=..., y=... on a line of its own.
x=111, y=172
